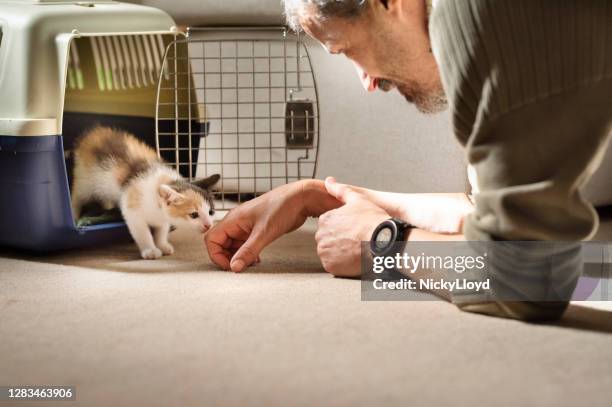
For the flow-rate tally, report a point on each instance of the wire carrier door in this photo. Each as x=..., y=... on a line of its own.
x=241, y=103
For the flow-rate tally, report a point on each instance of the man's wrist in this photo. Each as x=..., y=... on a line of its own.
x=372, y=225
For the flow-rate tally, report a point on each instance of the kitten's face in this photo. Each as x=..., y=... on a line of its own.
x=187, y=208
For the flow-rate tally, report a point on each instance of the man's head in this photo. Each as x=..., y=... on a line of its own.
x=387, y=40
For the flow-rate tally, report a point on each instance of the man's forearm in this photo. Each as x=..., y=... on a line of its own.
x=439, y=213
x=420, y=235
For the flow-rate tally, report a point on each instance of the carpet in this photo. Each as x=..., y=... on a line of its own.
x=178, y=331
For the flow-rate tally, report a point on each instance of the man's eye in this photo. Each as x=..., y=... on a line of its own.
x=194, y=215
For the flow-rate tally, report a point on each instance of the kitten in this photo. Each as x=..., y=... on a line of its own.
x=115, y=169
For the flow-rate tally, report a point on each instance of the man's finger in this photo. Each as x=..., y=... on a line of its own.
x=249, y=252
x=341, y=192
x=219, y=255
x=219, y=241
x=235, y=244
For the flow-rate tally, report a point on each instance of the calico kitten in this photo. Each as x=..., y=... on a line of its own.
x=115, y=169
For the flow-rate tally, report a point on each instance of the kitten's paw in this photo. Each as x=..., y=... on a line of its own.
x=151, y=254
x=166, y=248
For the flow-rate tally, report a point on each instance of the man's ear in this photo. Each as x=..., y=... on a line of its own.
x=393, y=5
x=169, y=194
x=207, y=183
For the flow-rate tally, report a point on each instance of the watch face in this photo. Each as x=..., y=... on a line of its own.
x=384, y=238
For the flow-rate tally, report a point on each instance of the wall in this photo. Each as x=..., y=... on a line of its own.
x=379, y=140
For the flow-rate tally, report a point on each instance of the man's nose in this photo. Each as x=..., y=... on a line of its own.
x=368, y=83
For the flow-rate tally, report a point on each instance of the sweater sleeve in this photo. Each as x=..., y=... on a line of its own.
x=529, y=83
x=532, y=108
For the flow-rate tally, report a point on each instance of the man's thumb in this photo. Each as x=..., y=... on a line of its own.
x=335, y=189
x=247, y=254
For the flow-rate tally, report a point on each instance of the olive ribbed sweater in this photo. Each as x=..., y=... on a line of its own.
x=530, y=87
x=529, y=83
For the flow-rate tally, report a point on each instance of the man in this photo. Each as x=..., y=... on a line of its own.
x=529, y=83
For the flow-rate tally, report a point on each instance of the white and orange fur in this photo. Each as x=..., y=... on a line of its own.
x=116, y=170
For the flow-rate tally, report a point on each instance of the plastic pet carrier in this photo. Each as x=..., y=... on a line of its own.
x=239, y=102
x=66, y=66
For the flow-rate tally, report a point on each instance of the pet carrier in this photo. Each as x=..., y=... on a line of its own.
x=65, y=66
x=239, y=102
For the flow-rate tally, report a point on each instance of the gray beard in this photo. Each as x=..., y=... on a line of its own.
x=425, y=102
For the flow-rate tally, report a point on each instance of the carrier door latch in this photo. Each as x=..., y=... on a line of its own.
x=299, y=124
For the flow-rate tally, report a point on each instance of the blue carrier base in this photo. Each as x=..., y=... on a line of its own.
x=35, y=210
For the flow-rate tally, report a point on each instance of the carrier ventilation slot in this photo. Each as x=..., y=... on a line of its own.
x=121, y=62
x=75, y=74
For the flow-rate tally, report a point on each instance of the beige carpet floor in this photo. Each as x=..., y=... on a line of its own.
x=129, y=332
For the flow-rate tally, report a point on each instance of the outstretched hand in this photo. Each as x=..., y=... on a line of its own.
x=237, y=241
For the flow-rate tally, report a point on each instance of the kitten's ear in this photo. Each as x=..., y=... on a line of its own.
x=169, y=195
x=207, y=183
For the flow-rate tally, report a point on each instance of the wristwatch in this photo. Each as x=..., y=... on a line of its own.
x=389, y=237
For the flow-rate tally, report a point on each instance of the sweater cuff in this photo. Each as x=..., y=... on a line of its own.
x=534, y=271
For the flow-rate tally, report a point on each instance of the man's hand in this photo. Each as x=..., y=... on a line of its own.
x=341, y=231
x=236, y=242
